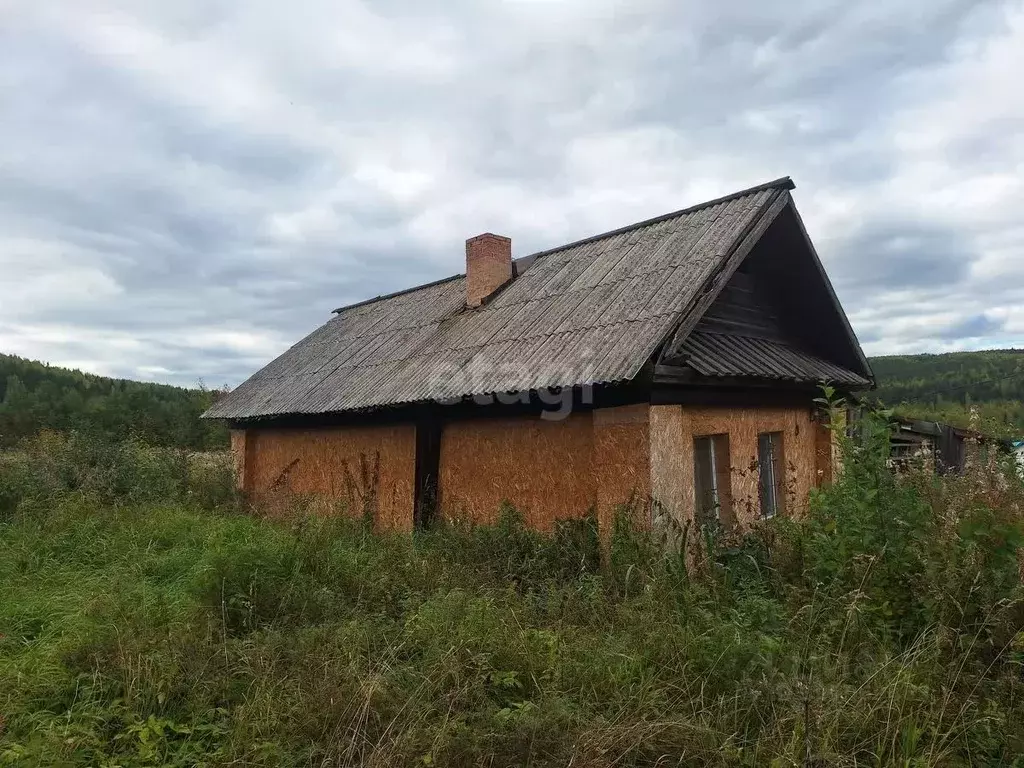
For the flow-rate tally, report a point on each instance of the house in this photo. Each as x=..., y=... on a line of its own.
x=671, y=364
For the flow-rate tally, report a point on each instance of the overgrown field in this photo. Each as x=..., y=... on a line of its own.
x=145, y=622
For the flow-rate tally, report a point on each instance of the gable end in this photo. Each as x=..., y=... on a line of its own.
x=776, y=317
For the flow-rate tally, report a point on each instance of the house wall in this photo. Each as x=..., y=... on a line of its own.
x=806, y=455
x=369, y=465
x=671, y=465
x=548, y=470
x=242, y=455
x=622, y=458
x=827, y=456
x=543, y=468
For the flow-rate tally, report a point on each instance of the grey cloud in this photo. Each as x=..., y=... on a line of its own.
x=974, y=327
x=894, y=256
x=870, y=337
x=227, y=174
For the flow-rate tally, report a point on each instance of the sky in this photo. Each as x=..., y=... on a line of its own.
x=188, y=188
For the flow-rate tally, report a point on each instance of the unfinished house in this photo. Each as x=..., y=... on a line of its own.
x=671, y=364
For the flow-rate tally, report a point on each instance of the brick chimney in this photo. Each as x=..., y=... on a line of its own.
x=488, y=266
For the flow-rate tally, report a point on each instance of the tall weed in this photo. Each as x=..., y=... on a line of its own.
x=143, y=624
x=53, y=465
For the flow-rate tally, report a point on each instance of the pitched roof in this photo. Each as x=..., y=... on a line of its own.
x=589, y=312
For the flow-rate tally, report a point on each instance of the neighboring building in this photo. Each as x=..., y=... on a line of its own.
x=943, y=448
x=671, y=364
x=1017, y=449
x=939, y=447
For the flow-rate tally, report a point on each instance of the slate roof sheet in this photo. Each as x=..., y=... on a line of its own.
x=729, y=355
x=586, y=313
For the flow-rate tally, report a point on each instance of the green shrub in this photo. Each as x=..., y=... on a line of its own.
x=143, y=623
x=114, y=473
x=510, y=553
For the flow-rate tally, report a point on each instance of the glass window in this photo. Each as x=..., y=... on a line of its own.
x=855, y=423
x=770, y=472
x=711, y=477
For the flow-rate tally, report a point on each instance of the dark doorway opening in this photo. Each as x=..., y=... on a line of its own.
x=428, y=462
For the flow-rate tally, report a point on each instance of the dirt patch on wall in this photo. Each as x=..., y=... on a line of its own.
x=365, y=471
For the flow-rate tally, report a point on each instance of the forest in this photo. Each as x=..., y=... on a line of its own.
x=984, y=390
x=980, y=389
x=35, y=397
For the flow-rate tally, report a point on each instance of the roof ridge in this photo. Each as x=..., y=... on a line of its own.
x=404, y=291
x=783, y=182
x=392, y=295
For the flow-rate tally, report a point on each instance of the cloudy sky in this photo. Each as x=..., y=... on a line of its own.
x=187, y=188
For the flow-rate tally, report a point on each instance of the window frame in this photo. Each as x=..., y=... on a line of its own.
x=776, y=469
x=717, y=464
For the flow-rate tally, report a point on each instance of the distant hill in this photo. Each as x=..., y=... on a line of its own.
x=947, y=387
x=36, y=396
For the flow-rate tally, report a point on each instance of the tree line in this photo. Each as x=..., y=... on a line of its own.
x=983, y=390
x=35, y=396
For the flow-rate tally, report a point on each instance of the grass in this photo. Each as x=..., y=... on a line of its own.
x=884, y=629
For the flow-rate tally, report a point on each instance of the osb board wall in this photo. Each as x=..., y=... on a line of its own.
x=549, y=470
x=673, y=429
x=671, y=465
x=241, y=456
x=622, y=461
x=827, y=453
x=544, y=468
x=363, y=467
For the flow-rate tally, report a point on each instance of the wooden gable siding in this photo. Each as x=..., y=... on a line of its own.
x=744, y=308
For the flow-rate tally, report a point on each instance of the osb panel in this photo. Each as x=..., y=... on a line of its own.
x=670, y=455
x=622, y=461
x=543, y=468
x=624, y=414
x=241, y=457
x=364, y=468
x=826, y=453
x=672, y=467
